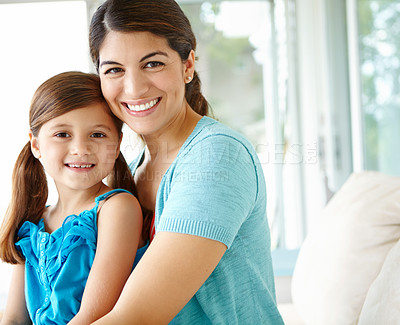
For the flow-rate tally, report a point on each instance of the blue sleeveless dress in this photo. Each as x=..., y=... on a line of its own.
x=57, y=265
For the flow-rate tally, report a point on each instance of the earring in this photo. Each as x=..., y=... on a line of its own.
x=189, y=79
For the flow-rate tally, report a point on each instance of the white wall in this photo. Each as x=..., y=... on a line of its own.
x=37, y=41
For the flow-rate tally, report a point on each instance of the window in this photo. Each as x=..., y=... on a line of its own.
x=243, y=50
x=379, y=48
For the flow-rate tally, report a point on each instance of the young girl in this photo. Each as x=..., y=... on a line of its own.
x=71, y=259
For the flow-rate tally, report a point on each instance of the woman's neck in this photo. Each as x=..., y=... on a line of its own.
x=166, y=145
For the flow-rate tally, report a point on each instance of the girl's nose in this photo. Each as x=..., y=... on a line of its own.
x=81, y=147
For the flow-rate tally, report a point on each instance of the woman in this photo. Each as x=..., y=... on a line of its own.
x=210, y=260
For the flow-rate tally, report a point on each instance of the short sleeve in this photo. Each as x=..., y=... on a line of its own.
x=213, y=189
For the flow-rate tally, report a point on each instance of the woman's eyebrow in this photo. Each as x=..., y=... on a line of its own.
x=153, y=54
x=108, y=62
x=141, y=60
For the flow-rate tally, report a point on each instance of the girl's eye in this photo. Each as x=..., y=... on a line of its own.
x=98, y=135
x=62, y=135
x=154, y=64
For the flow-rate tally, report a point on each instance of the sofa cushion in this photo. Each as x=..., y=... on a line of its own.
x=344, y=252
x=381, y=305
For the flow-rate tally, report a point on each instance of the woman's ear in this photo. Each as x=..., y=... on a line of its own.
x=189, y=67
x=34, y=145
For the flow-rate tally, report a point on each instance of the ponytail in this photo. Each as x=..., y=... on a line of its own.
x=121, y=177
x=195, y=98
x=28, y=202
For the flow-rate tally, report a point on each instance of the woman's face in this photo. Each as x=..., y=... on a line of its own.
x=143, y=80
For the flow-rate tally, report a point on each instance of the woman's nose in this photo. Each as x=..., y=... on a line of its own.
x=135, y=84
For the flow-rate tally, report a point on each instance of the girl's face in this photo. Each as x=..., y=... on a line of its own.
x=79, y=148
x=143, y=80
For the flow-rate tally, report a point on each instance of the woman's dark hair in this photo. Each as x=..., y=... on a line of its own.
x=58, y=95
x=161, y=17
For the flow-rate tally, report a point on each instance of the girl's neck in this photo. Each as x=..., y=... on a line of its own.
x=73, y=201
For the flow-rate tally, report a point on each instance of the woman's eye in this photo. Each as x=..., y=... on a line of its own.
x=154, y=64
x=62, y=135
x=98, y=135
x=113, y=71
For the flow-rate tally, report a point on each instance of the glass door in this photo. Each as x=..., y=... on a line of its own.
x=379, y=59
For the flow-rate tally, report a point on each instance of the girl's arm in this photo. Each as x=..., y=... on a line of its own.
x=16, y=311
x=173, y=268
x=119, y=235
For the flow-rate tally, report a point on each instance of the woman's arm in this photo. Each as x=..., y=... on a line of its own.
x=169, y=274
x=119, y=235
x=176, y=265
x=16, y=311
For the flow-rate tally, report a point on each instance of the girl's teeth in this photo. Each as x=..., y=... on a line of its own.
x=80, y=166
x=142, y=107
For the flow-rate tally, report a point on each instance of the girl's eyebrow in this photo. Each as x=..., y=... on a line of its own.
x=65, y=125
x=60, y=126
x=102, y=126
x=141, y=60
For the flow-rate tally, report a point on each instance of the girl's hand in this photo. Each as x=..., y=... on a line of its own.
x=16, y=312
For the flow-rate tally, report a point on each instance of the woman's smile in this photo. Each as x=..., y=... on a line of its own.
x=143, y=80
x=142, y=107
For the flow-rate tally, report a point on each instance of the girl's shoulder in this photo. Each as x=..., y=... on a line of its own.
x=117, y=200
x=119, y=211
x=111, y=193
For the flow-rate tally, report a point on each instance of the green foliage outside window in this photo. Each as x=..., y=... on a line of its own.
x=379, y=25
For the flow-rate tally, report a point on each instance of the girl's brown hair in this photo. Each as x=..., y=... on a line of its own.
x=56, y=96
x=160, y=17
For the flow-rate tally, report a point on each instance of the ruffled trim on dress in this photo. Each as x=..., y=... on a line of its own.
x=75, y=231
x=26, y=245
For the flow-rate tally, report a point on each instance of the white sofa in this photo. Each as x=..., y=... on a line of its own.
x=348, y=268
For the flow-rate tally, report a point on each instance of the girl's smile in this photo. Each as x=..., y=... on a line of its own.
x=80, y=167
x=78, y=149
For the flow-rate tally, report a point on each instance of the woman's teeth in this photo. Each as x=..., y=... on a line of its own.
x=142, y=107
